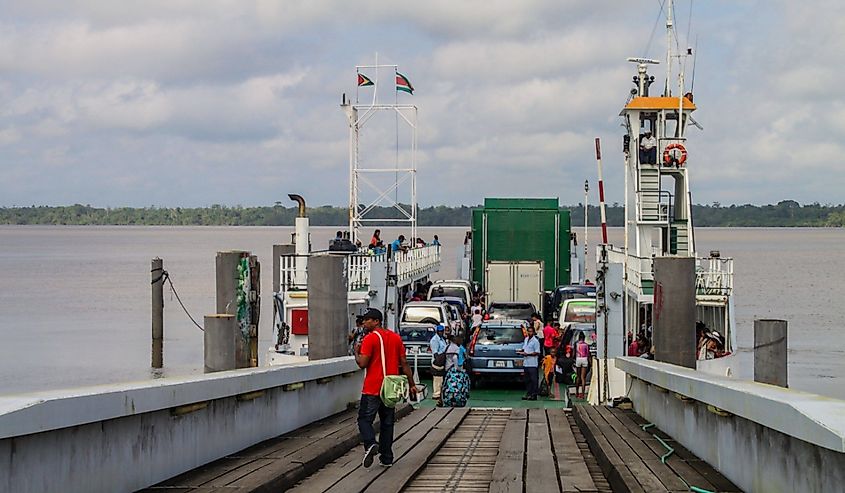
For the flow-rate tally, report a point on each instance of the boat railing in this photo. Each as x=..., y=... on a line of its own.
x=663, y=206
x=713, y=275
x=417, y=262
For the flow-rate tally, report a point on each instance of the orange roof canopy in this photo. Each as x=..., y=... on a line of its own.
x=658, y=103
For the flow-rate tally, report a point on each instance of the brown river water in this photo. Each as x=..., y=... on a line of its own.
x=75, y=303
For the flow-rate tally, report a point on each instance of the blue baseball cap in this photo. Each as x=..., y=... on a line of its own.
x=439, y=328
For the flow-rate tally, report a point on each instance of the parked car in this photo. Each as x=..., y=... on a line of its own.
x=452, y=287
x=563, y=293
x=511, y=310
x=416, y=338
x=579, y=315
x=457, y=304
x=416, y=328
x=493, y=350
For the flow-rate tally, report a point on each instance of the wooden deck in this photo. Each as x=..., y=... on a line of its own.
x=465, y=450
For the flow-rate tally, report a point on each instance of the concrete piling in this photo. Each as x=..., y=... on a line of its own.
x=770, y=352
x=228, y=290
x=674, y=310
x=220, y=336
x=157, y=282
x=328, y=312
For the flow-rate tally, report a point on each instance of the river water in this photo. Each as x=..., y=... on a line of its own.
x=75, y=303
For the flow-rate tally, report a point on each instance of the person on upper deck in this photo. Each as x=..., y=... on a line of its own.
x=398, y=244
x=436, y=241
x=375, y=241
x=648, y=148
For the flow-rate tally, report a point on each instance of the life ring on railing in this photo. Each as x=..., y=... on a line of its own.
x=667, y=156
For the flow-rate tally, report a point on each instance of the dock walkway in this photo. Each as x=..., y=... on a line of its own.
x=464, y=450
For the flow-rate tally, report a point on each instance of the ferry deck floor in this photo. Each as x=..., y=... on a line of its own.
x=499, y=443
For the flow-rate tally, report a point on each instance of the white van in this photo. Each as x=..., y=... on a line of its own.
x=457, y=288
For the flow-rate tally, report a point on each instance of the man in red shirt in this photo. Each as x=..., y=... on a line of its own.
x=368, y=355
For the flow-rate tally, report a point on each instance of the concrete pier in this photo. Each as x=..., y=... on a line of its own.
x=328, y=310
x=220, y=338
x=770, y=352
x=674, y=310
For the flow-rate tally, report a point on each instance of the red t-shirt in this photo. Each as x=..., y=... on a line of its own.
x=370, y=346
x=549, y=335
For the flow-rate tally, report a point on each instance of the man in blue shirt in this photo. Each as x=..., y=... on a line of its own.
x=436, y=241
x=437, y=345
x=530, y=362
x=397, y=244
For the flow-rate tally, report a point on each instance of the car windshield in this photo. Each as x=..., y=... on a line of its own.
x=580, y=312
x=422, y=314
x=499, y=335
x=456, y=291
x=518, y=311
x=416, y=334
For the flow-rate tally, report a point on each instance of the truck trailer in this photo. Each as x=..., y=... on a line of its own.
x=520, y=248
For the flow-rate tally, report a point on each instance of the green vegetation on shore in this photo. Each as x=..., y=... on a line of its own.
x=786, y=213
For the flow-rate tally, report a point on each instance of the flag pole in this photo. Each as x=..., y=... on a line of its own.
x=601, y=194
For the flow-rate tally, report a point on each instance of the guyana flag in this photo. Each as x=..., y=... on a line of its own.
x=403, y=84
x=363, y=80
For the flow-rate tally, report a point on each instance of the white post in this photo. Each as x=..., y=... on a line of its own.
x=586, y=197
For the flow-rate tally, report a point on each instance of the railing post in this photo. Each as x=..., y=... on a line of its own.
x=157, y=281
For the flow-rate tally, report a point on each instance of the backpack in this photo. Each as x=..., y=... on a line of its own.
x=438, y=364
x=394, y=388
x=455, y=392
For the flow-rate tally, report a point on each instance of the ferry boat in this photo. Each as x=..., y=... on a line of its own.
x=658, y=205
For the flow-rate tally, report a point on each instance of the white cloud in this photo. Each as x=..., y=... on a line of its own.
x=170, y=101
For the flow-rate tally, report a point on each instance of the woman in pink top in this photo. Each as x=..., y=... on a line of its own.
x=582, y=363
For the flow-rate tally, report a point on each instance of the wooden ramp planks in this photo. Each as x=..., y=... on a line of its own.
x=630, y=457
x=508, y=471
x=275, y=464
x=413, y=446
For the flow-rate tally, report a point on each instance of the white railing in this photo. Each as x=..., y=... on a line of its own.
x=713, y=275
x=416, y=262
x=412, y=264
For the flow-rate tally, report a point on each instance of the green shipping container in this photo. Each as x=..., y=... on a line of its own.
x=514, y=230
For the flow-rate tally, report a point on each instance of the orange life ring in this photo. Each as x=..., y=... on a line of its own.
x=667, y=158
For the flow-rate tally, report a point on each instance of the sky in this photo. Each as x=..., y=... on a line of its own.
x=236, y=102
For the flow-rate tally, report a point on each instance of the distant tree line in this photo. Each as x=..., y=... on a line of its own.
x=784, y=213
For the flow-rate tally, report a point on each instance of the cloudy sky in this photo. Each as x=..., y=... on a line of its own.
x=190, y=103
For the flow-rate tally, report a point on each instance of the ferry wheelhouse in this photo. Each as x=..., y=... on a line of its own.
x=658, y=207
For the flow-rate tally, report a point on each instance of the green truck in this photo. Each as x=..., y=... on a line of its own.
x=520, y=249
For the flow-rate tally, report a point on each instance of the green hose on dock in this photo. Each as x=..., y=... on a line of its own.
x=670, y=451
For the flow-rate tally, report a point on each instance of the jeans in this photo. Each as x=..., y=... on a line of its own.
x=531, y=376
x=648, y=156
x=369, y=407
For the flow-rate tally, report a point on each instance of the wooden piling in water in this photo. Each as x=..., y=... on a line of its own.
x=220, y=336
x=157, y=282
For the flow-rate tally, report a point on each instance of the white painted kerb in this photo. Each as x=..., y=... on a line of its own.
x=25, y=414
x=813, y=418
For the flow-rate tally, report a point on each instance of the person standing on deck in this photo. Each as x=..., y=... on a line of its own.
x=368, y=354
x=582, y=363
x=438, y=345
x=537, y=323
x=436, y=241
x=530, y=362
x=397, y=244
x=549, y=338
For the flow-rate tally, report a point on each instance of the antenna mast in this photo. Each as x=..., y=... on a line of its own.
x=669, y=26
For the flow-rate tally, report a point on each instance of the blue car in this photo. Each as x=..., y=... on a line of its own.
x=493, y=350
